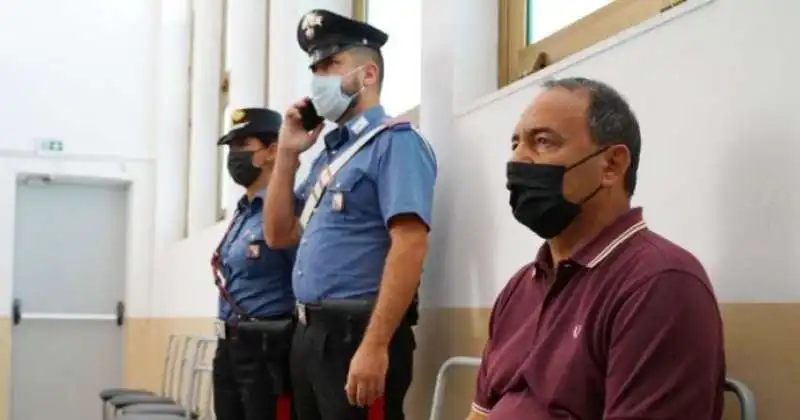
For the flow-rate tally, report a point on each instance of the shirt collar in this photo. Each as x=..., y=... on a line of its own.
x=257, y=201
x=355, y=127
x=601, y=246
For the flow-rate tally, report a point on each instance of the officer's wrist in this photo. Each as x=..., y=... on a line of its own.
x=287, y=153
x=372, y=342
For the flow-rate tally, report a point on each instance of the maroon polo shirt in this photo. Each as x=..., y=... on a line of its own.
x=628, y=328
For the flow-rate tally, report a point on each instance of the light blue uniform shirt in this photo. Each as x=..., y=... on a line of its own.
x=257, y=277
x=343, y=248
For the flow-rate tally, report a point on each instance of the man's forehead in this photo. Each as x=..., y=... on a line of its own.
x=341, y=56
x=554, y=106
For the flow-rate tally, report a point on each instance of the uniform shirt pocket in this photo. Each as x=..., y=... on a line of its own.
x=257, y=258
x=349, y=194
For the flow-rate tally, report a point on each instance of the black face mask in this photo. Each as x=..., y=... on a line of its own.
x=241, y=169
x=537, y=198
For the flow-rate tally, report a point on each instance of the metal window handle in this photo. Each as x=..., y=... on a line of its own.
x=118, y=316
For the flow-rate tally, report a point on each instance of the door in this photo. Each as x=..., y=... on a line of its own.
x=69, y=271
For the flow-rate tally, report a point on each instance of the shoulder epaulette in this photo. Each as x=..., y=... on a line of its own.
x=398, y=122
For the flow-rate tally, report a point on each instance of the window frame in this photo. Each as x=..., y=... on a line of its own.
x=518, y=59
x=360, y=10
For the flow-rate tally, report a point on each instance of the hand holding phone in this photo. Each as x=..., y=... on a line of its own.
x=309, y=116
x=301, y=127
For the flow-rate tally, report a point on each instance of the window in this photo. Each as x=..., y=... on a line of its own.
x=546, y=17
x=402, y=54
x=538, y=33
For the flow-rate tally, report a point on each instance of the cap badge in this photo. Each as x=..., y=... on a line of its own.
x=238, y=116
x=240, y=125
x=310, y=22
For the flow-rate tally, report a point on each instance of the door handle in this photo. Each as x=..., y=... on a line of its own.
x=16, y=314
x=16, y=311
x=120, y=313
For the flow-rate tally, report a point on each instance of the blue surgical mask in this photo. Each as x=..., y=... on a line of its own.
x=329, y=98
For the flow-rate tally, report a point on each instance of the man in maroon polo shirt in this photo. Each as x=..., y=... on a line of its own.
x=610, y=321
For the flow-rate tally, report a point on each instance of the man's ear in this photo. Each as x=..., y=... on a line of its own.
x=371, y=75
x=618, y=162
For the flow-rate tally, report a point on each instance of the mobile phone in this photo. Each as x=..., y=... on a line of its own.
x=309, y=116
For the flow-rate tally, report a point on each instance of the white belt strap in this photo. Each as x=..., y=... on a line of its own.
x=328, y=172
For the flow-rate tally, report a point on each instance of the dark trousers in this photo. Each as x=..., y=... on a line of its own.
x=251, y=380
x=319, y=363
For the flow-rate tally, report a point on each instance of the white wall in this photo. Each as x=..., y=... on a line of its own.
x=183, y=283
x=75, y=71
x=80, y=71
x=717, y=160
x=719, y=154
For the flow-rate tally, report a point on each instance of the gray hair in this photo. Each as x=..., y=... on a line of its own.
x=609, y=118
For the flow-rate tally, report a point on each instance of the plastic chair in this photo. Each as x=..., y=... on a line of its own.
x=441, y=381
x=170, y=366
x=198, y=406
x=747, y=401
x=193, y=356
x=745, y=397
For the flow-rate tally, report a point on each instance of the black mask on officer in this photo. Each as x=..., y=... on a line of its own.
x=241, y=168
x=537, y=198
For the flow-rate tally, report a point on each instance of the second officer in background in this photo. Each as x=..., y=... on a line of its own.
x=254, y=281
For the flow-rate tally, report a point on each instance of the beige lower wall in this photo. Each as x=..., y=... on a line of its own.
x=763, y=348
x=146, y=341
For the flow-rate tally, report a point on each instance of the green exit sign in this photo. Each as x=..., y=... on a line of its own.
x=51, y=146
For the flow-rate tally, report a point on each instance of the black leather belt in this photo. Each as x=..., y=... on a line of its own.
x=335, y=309
x=266, y=326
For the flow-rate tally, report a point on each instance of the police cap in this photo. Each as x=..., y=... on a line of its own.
x=256, y=122
x=322, y=33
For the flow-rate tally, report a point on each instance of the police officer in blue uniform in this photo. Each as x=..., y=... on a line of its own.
x=256, y=301
x=361, y=219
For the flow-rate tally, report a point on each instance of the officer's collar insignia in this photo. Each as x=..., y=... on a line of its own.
x=238, y=116
x=310, y=22
x=359, y=125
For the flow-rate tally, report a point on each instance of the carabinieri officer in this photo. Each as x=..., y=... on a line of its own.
x=364, y=213
x=256, y=301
